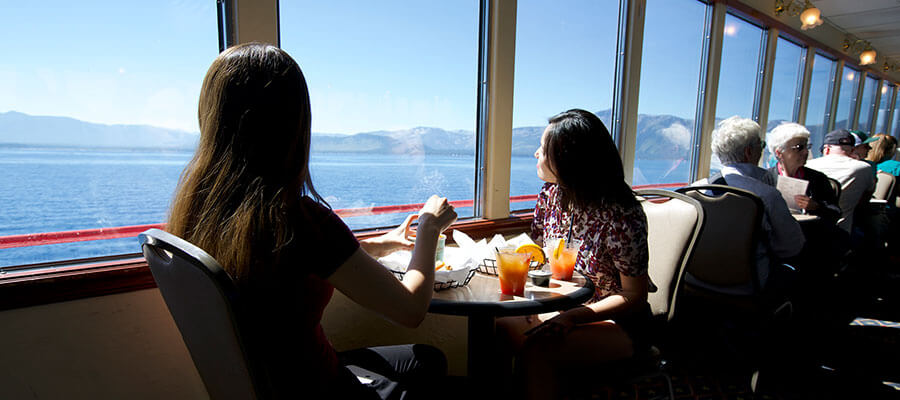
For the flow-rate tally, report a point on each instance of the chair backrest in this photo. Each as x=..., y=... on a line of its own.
x=884, y=186
x=674, y=222
x=205, y=305
x=725, y=252
x=835, y=187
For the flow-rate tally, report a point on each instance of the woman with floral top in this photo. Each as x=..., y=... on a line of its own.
x=586, y=193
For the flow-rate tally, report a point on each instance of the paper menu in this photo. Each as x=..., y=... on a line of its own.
x=790, y=187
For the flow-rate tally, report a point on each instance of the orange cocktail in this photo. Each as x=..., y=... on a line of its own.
x=512, y=269
x=562, y=255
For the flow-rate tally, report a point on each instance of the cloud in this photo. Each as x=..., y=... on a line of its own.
x=677, y=134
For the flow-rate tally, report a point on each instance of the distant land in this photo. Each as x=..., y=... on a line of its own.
x=659, y=137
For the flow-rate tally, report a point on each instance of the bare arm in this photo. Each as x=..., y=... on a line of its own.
x=371, y=285
x=396, y=239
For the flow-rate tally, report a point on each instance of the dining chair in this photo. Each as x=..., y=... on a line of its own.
x=727, y=303
x=835, y=187
x=674, y=222
x=206, y=307
x=884, y=187
x=724, y=264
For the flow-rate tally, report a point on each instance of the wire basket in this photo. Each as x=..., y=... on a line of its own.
x=489, y=266
x=438, y=286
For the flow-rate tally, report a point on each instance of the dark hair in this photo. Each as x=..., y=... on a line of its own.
x=586, y=162
x=251, y=165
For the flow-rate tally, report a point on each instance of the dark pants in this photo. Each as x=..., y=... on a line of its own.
x=409, y=371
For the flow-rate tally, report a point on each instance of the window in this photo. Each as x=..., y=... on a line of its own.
x=741, y=49
x=895, y=123
x=670, y=69
x=393, y=87
x=818, y=109
x=846, y=98
x=785, y=96
x=98, y=110
x=884, y=107
x=786, y=75
x=564, y=60
x=867, y=104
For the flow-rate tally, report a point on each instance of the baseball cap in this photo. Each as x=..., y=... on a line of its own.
x=860, y=138
x=840, y=137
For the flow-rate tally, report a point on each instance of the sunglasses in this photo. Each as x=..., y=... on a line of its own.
x=800, y=147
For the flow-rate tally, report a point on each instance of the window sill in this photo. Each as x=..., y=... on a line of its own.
x=64, y=281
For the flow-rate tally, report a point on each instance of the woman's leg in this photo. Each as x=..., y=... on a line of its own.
x=415, y=367
x=586, y=344
x=509, y=342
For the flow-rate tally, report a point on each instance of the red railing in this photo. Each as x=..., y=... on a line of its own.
x=83, y=235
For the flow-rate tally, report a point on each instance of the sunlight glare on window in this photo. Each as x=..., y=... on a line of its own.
x=564, y=60
x=670, y=69
x=98, y=117
x=393, y=92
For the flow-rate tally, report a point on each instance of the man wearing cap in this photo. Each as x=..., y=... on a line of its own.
x=856, y=177
x=861, y=145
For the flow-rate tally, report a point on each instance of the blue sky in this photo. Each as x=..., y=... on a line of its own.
x=370, y=66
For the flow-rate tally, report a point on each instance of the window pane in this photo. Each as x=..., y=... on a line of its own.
x=738, y=72
x=98, y=114
x=670, y=69
x=393, y=92
x=884, y=107
x=818, y=106
x=559, y=66
x=895, y=122
x=846, y=98
x=785, y=82
x=867, y=104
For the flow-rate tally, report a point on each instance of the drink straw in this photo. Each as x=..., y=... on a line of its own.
x=569, y=236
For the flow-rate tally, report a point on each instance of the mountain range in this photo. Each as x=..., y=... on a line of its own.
x=659, y=137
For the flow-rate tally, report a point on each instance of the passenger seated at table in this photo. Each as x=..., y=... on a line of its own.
x=737, y=143
x=882, y=154
x=246, y=198
x=826, y=244
x=789, y=142
x=856, y=177
x=585, y=192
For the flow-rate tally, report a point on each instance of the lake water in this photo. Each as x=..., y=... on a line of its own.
x=49, y=190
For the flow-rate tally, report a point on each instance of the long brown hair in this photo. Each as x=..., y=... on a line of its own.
x=586, y=162
x=882, y=149
x=237, y=195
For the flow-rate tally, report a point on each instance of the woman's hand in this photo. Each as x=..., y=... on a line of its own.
x=557, y=326
x=396, y=239
x=437, y=213
x=806, y=202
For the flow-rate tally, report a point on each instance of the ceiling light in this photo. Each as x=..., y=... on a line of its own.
x=867, y=57
x=810, y=16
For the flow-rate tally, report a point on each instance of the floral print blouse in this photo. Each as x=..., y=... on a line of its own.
x=614, y=238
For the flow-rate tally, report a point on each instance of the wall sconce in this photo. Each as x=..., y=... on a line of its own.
x=888, y=67
x=866, y=53
x=810, y=16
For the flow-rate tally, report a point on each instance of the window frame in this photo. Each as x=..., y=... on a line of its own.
x=74, y=279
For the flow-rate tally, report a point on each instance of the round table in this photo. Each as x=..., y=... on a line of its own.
x=481, y=301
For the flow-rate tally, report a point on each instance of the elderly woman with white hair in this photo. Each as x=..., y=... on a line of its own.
x=789, y=143
x=737, y=143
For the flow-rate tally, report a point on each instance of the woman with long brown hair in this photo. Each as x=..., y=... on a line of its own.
x=586, y=198
x=247, y=199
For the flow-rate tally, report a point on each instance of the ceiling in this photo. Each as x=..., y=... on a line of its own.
x=876, y=21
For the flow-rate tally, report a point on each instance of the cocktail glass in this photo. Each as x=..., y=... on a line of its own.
x=512, y=269
x=562, y=262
